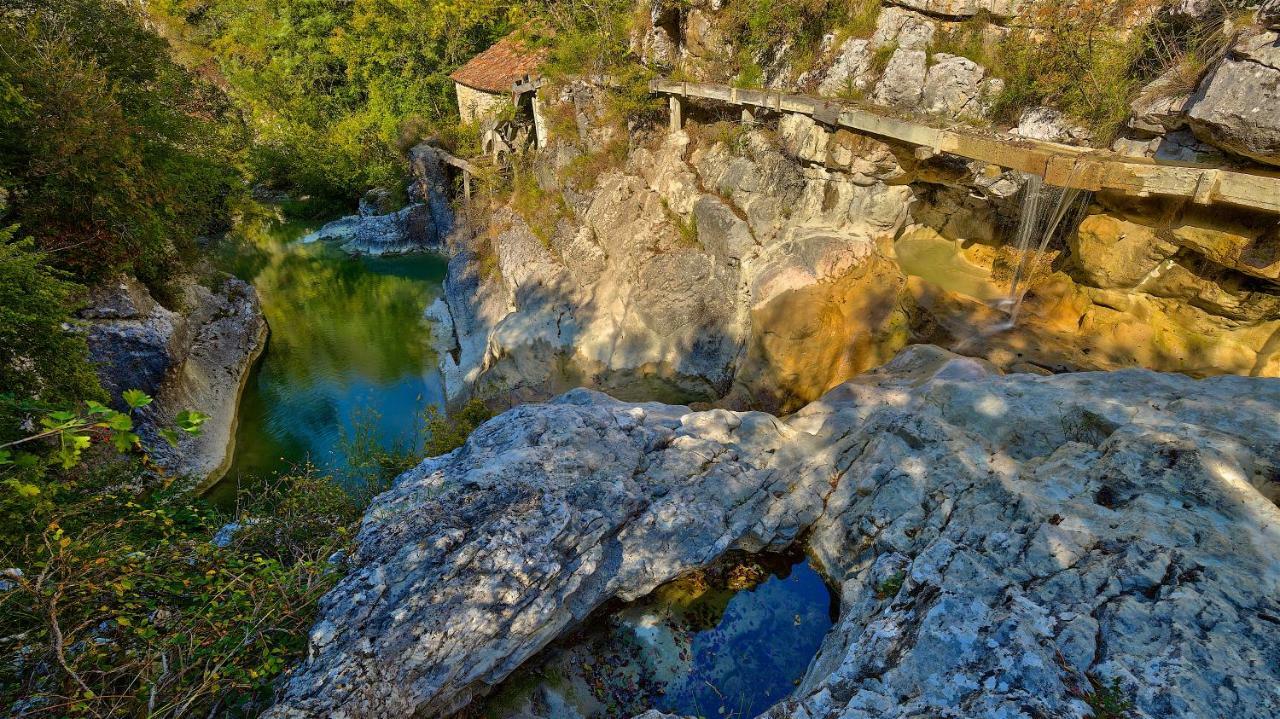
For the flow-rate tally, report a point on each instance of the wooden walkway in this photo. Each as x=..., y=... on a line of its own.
x=1060, y=165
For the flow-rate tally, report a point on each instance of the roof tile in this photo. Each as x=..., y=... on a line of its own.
x=497, y=68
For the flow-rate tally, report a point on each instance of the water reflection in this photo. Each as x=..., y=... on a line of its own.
x=348, y=341
x=700, y=646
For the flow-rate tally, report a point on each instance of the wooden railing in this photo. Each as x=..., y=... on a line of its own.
x=1059, y=164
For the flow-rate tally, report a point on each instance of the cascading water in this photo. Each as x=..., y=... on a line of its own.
x=1045, y=211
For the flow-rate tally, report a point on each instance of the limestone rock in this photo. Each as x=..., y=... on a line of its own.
x=196, y=359
x=1250, y=248
x=902, y=84
x=1041, y=531
x=1237, y=107
x=903, y=29
x=1269, y=14
x=133, y=340
x=702, y=38
x=849, y=69
x=721, y=232
x=1114, y=253
x=1046, y=123
x=379, y=229
x=965, y=8
x=954, y=87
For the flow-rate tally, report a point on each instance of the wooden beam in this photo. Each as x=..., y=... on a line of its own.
x=1061, y=165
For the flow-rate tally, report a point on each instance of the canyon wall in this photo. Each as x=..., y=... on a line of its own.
x=195, y=357
x=761, y=263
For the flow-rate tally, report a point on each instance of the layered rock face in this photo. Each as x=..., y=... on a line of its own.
x=1003, y=545
x=197, y=358
x=760, y=265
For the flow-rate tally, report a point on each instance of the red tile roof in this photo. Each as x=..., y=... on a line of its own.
x=497, y=68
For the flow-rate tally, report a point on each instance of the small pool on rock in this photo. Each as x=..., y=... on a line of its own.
x=727, y=643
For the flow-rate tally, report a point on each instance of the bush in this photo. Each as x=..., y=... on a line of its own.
x=41, y=365
x=447, y=432
x=117, y=157
x=125, y=608
x=1075, y=60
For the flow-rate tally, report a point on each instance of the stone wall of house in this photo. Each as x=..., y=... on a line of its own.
x=474, y=105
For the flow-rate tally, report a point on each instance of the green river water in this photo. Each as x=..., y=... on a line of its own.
x=349, y=346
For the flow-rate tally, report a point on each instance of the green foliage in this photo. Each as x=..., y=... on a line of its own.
x=759, y=28
x=881, y=57
x=335, y=90
x=40, y=364
x=64, y=436
x=1108, y=701
x=541, y=210
x=965, y=39
x=1073, y=60
x=890, y=587
x=117, y=158
x=447, y=432
x=686, y=229
x=125, y=608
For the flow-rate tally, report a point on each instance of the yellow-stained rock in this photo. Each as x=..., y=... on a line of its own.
x=809, y=339
x=1112, y=252
x=1249, y=249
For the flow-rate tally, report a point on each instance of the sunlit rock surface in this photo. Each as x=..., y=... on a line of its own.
x=197, y=358
x=1003, y=544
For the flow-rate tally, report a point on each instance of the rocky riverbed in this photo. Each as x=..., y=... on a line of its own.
x=1003, y=545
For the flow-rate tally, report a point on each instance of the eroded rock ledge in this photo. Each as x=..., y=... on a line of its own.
x=197, y=357
x=1046, y=530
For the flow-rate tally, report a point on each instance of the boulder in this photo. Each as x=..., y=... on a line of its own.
x=1249, y=247
x=133, y=340
x=195, y=359
x=902, y=84
x=1237, y=107
x=379, y=228
x=1001, y=545
x=1114, y=253
x=954, y=87
x=1046, y=123
x=725, y=235
x=848, y=71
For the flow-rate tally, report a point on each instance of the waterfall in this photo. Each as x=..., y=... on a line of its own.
x=1044, y=210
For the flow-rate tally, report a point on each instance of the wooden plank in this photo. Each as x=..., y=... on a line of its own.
x=1060, y=164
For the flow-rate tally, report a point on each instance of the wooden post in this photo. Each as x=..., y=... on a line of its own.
x=539, y=125
x=466, y=187
x=677, y=119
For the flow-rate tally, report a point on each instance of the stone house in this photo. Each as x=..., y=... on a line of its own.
x=505, y=73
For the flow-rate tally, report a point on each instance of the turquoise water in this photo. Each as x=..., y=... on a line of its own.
x=691, y=648
x=349, y=350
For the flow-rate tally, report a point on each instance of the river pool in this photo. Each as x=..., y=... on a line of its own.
x=349, y=350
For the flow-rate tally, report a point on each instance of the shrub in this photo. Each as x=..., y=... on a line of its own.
x=1074, y=59
x=125, y=608
x=41, y=365
x=117, y=157
x=541, y=210
x=447, y=432
x=965, y=39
